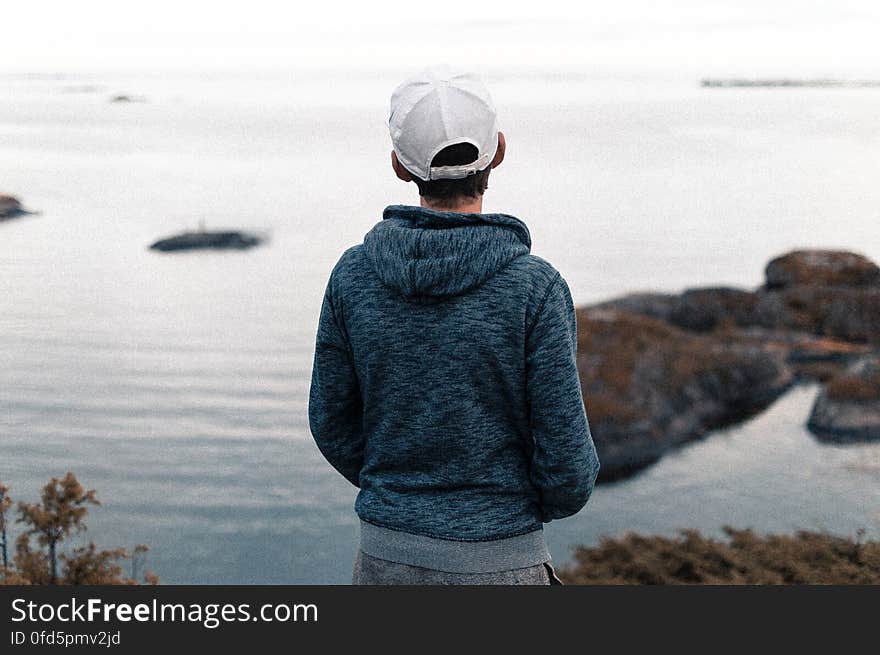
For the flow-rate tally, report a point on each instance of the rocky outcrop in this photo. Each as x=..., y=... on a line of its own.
x=824, y=293
x=820, y=268
x=706, y=309
x=848, y=409
x=842, y=312
x=213, y=240
x=10, y=207
x=660, y=369
x=655, y=305
x=649, y=386
x=810, y=357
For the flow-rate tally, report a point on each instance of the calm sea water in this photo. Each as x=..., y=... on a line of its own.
x=177, y=385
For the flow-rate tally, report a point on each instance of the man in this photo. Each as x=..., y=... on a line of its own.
x=444, y=384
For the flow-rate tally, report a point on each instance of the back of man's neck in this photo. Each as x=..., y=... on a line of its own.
x=469, y=206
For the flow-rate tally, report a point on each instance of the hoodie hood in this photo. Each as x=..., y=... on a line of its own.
x=427, y=255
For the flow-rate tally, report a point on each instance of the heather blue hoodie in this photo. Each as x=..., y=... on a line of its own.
x=445, y=383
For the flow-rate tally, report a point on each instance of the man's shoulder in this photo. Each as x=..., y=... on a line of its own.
x=351, y=255
x=350, y=261
x=536, y=271
x=347, y=274
x=537, y=277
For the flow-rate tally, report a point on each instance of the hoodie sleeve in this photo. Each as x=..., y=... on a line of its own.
x=335, y=408
x=564, y=464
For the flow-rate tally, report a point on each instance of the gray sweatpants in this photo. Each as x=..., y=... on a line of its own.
x=369, y=570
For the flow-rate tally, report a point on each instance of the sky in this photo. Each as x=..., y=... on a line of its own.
x=713, y=37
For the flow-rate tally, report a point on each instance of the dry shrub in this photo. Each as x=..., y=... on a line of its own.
x=743, y=558
x=47, y=525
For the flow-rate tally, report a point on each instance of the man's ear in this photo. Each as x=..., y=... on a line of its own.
x=399, y=169
x=499, y=154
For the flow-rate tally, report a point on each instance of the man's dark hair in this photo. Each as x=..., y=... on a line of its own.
x=444, y=193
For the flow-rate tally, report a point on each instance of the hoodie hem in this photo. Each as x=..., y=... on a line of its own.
x=453, y=556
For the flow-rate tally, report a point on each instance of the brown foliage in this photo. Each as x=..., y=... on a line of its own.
x=32, y=564
x=9, y=576
x=744, y=558
x=88, y=565
x=60, y=513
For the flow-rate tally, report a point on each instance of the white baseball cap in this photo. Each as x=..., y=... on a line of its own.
x=439, y=108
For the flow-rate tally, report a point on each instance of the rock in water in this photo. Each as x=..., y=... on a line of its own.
x=705, y=309
x=821, y=267
x=655, y=305
x=10, y=206
x=124, y=98
x=848, y=408
x=649, y=386
x=851, y=313
x=821, y=292
x=659, y=369
x=214, y=240
x=831, y=293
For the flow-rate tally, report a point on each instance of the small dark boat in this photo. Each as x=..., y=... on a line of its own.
x=213, y=240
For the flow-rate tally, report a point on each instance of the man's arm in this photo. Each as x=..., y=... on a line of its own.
x=564, y=464
x=335, y=407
